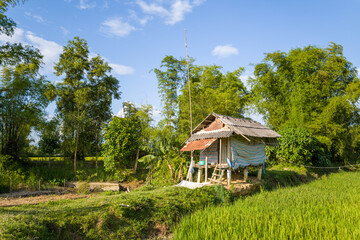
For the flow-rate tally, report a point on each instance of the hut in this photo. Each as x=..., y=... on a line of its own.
x=228, y=143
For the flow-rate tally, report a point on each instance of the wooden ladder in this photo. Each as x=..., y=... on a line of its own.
x=217, y=174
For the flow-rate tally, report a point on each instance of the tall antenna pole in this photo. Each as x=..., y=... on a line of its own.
x=188, y=77
x=189, y=176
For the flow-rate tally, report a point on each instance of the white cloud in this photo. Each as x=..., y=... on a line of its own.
x=17, y=37
x=174, y=13
x=121, y=69
x=85, y=5
x=116, y=27
x=224, y=51
x=49, y=49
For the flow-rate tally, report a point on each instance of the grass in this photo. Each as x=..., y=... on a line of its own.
x=57, y=159
x=28, y=175
x=136, y=215
x=323, y=209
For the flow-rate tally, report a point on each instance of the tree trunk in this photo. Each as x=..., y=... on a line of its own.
x=149, y=179
x=171, y=170
x=96, y=154
x=76, y=146
x=180, y=176
x=49, y=163
x=137, y=158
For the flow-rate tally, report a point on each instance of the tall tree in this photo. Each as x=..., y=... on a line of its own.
x=23, y=99
x=212, y=91
x=171, y=75
x=314, y=88
x=49, y=138
x=84, y=97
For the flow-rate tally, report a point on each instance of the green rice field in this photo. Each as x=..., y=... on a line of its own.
x=324, y=209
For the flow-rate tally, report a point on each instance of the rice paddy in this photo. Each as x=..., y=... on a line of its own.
x=323, y=209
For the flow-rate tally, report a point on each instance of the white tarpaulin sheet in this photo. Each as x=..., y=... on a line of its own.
x=191, y=185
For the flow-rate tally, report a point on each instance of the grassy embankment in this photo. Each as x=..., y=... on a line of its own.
x=323, y=209
x=149, y=213
x=138, y=214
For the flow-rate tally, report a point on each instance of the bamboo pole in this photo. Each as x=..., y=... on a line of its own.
x=206, y=168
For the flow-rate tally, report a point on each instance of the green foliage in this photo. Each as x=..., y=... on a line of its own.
x=164, y=161
x=324, y=209
x=171, y=75
x=23, y=100
x=212, y=91
x=83, y=188
x=7, y=25
x=298, y=145
x=312, y=88
x=10, y=171
x=50, y=137
x=134, y=215
x=83, y=98
x=121, y=142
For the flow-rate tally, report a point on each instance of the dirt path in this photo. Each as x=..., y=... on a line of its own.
x=36, y=197
x=14, y=201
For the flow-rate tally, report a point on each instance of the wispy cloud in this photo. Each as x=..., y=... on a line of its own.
x=64, y=30
x=116, y=27
x=173, y=13
x=143, y=21
x=38, y=18
x=84, y=4
x=121, y=69
x=223, y=51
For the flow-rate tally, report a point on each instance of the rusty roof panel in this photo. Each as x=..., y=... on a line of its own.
x=198, y=144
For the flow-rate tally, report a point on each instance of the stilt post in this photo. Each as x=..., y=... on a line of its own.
x=229, y=176
x=259, y=173
x=245, y=174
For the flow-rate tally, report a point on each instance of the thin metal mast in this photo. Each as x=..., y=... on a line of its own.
x=188, y=76
x=189, y=176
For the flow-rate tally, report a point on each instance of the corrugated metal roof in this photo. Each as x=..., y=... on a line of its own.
x=239, y=126
x=198, y=144
x=218, y=133
x=250, y=130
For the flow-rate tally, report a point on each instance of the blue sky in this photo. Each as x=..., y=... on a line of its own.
x=135, y=35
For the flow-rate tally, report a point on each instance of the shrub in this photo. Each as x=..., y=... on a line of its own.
x=298, y=145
